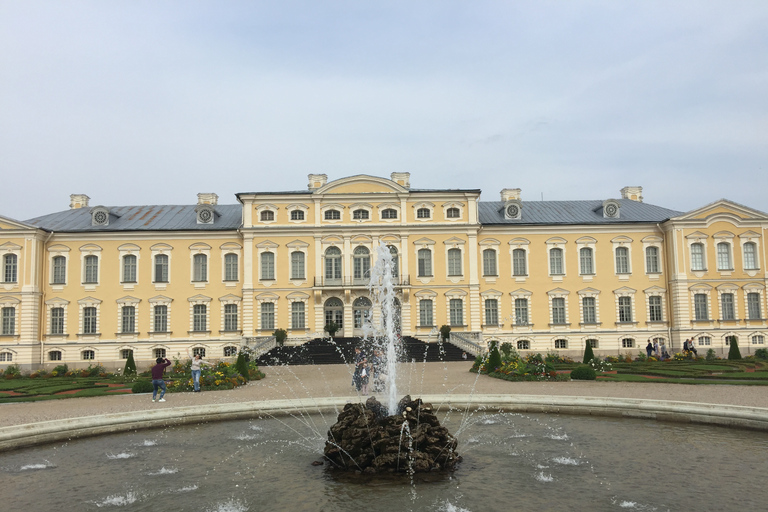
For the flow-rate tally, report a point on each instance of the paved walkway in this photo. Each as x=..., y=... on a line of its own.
x=416, y=379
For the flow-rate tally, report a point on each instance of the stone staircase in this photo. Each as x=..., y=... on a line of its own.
x=342, y=350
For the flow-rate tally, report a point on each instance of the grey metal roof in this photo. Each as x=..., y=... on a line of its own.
x=142, y=218
x=573, y=212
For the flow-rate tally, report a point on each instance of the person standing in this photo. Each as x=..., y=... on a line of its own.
x=656, y=348
x=157, y=378
x=197, y=362
x=649, y=348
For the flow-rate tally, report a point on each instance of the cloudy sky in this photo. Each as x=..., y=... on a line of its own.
x=150, y=102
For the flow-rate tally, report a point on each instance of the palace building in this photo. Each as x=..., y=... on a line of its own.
x=92, y=283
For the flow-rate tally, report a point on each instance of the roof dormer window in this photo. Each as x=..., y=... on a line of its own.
x=204, y=214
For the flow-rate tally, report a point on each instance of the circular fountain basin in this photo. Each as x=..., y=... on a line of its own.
x=511, y=460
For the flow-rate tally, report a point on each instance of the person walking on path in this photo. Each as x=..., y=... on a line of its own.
x=157, y=378
x=197, y=362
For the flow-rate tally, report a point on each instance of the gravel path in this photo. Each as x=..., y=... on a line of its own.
x=416, y=379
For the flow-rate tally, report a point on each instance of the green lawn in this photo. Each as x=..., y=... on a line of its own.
x=27, y=390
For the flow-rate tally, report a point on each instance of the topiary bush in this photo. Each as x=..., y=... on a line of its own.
x=494, y=357
x=242, y=366
x=711, y=355
x=583, y=372
x=60, y=369
x=130, y=365
x=761, y=353
x=588, y=353
x=142, y=386
x=734, y=352
x=280, y=336
x=445, y=331
x=331, y=328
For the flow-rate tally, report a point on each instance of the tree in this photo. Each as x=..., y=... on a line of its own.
x=588, y=353
x=130, y=365
x=241, y=365
x=445, y=331
x=734, y=352
x=494, y=357
x=331, y=328
x=280, y=336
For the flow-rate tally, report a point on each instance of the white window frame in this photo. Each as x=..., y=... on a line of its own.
x=85, y=251
x=89, y=302
x=423, y=206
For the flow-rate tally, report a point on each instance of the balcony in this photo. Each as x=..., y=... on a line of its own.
x=351, y=282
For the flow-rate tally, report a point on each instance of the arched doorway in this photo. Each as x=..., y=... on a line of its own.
x=333, y=265
x=334, y=312
x=362, y=310
x=361, y=264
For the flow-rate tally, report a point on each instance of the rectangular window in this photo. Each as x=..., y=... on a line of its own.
x=88, y=355
x=753, y=306
x=652, y=260
x=230, y=317
x=199, y=317
x=491, y=312
x=161, y=268
x=198, y=351
x=724, y=256
x=160, y=320
x=297, y=315
x=454, y=262
x=593, y=343
x=57, y=320
x=128, y=319
x=425, y=313
x=91, y=269
x=700, y=306
x=59, y=270
x=268, y=315
x=704, y=341
x=750, y=256
x=586, y=261
x=758, y=339
x=297, y=265
x=10, y=264
x=125, y=353
x=89, y=320
x=726, y=305
x=200, y=270
x=231, y=271
x=556, y=261
x=625, y=309
x=588, y=310
x=54, y=355
x=627, y=343
x=9, y=321
x=129, y=268
x=267, y=265
x=489, y=262
x=521, y=311
x=6, y=356
x=561, y=344
x=159, y=352
x=654, y=309
x=519, y=267
x=558, y=310
x=425, y=263
x=622, y=260
x=697, y=256
x=457, y=312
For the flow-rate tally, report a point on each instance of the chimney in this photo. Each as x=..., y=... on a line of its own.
x=508, y=194
x=633, y=193
x=78, y=201
x=207, y=198
x=401, y=178
x=316, y=181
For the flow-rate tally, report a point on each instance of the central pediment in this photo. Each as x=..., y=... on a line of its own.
x=361, y=184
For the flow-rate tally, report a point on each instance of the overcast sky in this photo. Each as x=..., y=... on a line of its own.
x=151, y=102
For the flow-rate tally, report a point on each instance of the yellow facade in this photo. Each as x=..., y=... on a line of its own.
x=79, y=292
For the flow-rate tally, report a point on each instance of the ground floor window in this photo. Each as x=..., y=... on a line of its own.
x=230, y=351
x=758, y=339
x=54, y=355
x=523, y=345
x=198, y=351
x=125, y=353
x=89, y=355
x=704, y=341
x=593, y=343
x=627, y=343
x=159, y=352
x=6, y=356
x=561, y=344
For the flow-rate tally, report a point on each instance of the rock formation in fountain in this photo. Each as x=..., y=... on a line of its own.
x=365, y=440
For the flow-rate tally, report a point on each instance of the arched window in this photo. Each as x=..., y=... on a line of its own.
x=423, y=213
x=586, y=260
x=622, y=260
x=361, y=264
x=360, y=214
x=697, y=256
x=267, y=215
x=10, y=268
x=556, y=261
x=395, y=260
x=750, y=256
x=161, y=268
x=333, y=264
x=519, y=267
x=425, y=263
x=129, y=268
x=489, y=262
x=334, y=312
x=454, y=262
x=332, y=215
x=91, y=269
x=267, y=265
x=200, y=264
x=724, y=256
x=389, y=213
x=652, y=259
x=59, y=270
x=362, y=310
x=231, y=272
x=453, y=213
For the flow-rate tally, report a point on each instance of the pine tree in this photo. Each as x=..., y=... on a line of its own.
x=130, y=365
x=588, y=353
x=734, y=352
x=242, y=366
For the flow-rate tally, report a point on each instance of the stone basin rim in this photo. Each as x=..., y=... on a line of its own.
x=733, y=416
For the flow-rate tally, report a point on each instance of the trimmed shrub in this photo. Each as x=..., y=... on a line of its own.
x=142, y=386
x=734, y=352
x=331, y=328
x=130, y=365
x=588, y=353
x=711, y=355
x=494, y=357
x=280, y=336
x=583, y=372
x=445, y=331
x=60, y=370
x=242, y=366
x=761, y=353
